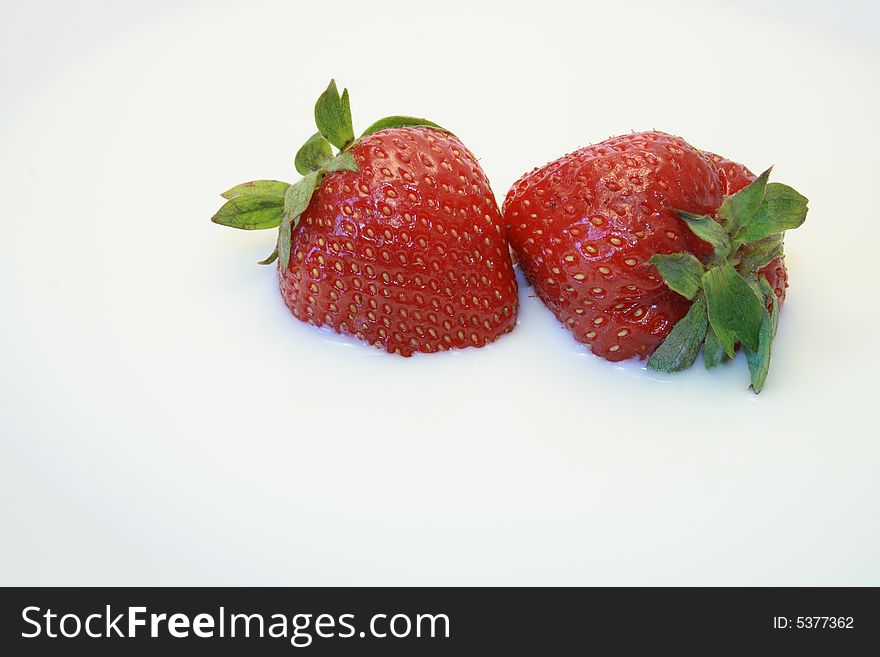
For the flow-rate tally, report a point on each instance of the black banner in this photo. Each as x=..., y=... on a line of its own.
x=436, y=621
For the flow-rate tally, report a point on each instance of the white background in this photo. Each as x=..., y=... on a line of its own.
x=165, y=420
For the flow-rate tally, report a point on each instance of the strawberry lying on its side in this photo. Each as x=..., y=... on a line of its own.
x=396, y=239
x=644, y=246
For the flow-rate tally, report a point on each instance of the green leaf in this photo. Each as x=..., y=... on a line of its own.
x=713, y=350
x=298, y=195
x=706, y=228
x=739, y=209
x=734, y=308
x=285, y=231
x=342, y=162
x=756, y=255
x=680, y=348
x=770, y=295
x=269, y=259
x=313, y=155
x=681, y=271
x=296, y=200
x=783, y=208
x=250, y=212
x=400, y=122
x=333, y=116
x=274, y=188
x=759, y=359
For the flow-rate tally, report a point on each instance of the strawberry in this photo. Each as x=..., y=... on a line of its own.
x=644, y=246
x=397, y=239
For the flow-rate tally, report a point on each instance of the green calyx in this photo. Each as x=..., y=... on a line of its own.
x=263, y=204
x=732, y=302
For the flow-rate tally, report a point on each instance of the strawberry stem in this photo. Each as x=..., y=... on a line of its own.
x=746, y=235
x=264, y=204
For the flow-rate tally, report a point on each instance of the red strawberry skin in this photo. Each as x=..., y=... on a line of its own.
x=777, y=275
x=585, y=226
x=408, y=253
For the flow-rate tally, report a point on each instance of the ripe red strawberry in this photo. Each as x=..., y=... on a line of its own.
x=594, y=232
x=396, y=240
